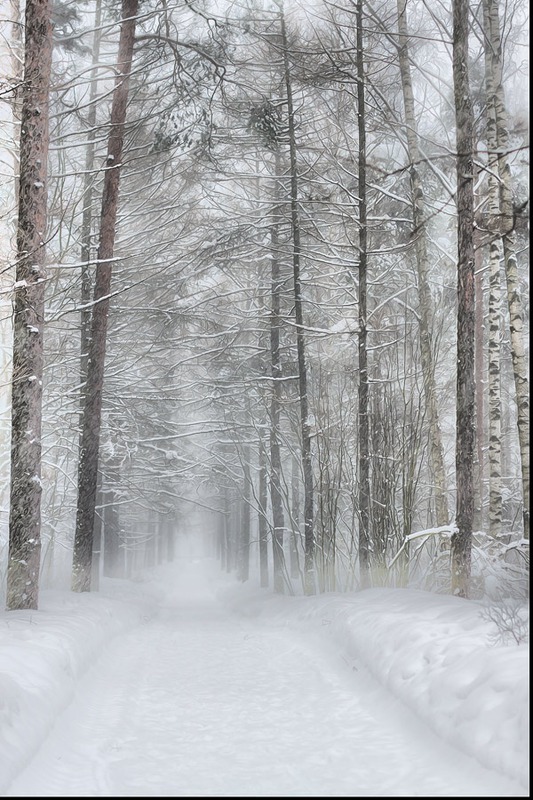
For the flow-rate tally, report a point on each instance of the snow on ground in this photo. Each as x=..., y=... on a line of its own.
x=190, y=684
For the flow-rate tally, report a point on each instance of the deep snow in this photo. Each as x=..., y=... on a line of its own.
x=191, y=684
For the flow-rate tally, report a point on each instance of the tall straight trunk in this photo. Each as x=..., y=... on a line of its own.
x=92, y=411
x=230, y=528
x=494, y=317
x=97, y=535
x=26, y=414
x=479, y=483
x=464, y=456
x=169, y=536
x=424, y=293
x=262, y=515
x=307, y=466
x=514, y=300
x=16, y=81
x=160, y=541
x=294, y=551
x=11, y=55
x=17, y=58
x=494, y=380
x=150, y=552
x=114, y=552
x=363, y=393
x=222, y=529
x=479, y=359
x=87, y=212
x=86, y=281
x=245, y=519
x=233, y=528
x=276, y=498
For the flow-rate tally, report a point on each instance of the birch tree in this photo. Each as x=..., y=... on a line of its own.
x=497, y=105
x=495, y=278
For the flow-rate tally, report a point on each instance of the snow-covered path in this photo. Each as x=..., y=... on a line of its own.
x=201, y=702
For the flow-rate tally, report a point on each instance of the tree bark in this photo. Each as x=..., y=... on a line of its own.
x=86, y=280
x=424, y=293
x=494, y=317
x=276, y=498
x=12, y=59
x=113, y=550
x=363, y=393
x=97, y=536
x=88, y=466
x=26, y=414
x=305, y=423
x=464, y=456
x=262, y=512
x=87, y=212
x=480, y=387
x=245, y=518
x=514, y=300
x=294, y=551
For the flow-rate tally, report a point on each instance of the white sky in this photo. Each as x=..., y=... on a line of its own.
x=195, y=685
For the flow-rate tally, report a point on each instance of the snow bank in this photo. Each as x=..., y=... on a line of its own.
x=42, y=655
x=438, y=654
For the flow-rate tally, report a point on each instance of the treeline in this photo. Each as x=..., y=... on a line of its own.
x=268, y=264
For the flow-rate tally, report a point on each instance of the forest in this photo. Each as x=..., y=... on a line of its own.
x=264, y=278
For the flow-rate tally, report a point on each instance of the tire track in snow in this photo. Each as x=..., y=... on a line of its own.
x=198, y=702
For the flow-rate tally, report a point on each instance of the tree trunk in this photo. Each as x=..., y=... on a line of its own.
x=362, y=416
x=97, y=536
x=26, y=414
x=305, y=423
x=86, y=282
x=169, y=536
x=480, y=387
x=276, y=499
x=88, y=466
x=424, y=293
x=464, y=456
x=263, y=520
x=245, y=519
x=516, y=313
x=11, y=55
x=87, y=213
x=223, y=532
x=114, y=553
x=494, y=318
x=294, y=552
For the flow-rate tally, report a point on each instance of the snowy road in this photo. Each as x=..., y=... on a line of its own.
x=202, y=702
